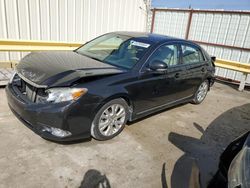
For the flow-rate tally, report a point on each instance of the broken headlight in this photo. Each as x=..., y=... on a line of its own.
x=56, y=95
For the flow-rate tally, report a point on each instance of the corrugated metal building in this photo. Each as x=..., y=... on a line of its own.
x=225, y=34
x=67, y=20
x=82, y=20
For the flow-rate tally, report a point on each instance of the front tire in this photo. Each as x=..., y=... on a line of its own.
x=201, y=93
x=110, y=120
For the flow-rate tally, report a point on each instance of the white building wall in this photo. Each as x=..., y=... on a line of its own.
x=171, y=23
x=228, y=29
x=222, y=28
x=67, y=20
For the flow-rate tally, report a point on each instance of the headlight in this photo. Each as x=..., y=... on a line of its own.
x=56, y=95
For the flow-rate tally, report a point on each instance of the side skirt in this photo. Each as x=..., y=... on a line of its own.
x=161, y=107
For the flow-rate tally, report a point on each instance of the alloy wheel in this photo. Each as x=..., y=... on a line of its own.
x=202, y=91
x=112, y=119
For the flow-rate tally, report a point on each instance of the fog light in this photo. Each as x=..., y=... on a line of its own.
x=57, y=132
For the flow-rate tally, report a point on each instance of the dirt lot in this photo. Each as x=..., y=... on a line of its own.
x=136, y=157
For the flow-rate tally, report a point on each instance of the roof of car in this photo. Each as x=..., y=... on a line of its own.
x=149, y=36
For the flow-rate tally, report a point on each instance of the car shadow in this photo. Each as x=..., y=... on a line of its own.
x=95, y=179
x=70, y=142
x=207, y=150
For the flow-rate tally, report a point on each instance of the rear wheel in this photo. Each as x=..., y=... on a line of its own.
x=201, y=92
x=110, y=119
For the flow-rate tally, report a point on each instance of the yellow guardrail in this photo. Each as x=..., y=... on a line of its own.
x=36, y=45
x=236, y=66
x=8, y=64
x=233, y=65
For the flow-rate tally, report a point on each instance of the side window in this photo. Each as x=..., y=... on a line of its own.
x=191, y=55
x=167, y=54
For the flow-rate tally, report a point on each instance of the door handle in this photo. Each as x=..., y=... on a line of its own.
x=177, y=75
x=203, y=69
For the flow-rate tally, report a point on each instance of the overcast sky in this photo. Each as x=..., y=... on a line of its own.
x=204, y=4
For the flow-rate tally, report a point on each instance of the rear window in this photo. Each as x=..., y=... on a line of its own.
x=191, y=54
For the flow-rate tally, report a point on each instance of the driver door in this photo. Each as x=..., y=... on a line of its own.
x=160, y=89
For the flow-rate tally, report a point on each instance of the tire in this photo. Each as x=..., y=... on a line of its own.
x=110, y=120
x=201, y=92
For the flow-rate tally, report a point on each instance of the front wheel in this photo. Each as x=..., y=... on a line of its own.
x=110, y=119
x=201, y=92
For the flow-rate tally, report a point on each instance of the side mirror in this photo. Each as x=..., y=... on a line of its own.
x=158, y=66
x=213, y=58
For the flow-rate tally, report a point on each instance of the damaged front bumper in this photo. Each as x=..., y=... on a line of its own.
x=70, y=116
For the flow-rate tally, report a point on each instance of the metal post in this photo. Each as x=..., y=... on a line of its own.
x=189, y=23
x=153, y=21
x=243, y=81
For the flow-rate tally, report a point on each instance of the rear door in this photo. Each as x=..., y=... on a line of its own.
x=195, y=65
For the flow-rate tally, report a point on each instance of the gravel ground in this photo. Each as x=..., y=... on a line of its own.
x=137, y=156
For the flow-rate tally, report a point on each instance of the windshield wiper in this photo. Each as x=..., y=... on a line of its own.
x=76, y=51
x=95, y=58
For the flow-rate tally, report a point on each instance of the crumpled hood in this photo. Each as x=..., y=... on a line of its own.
x=59, y=68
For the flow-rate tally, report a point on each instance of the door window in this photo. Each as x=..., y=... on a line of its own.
x=191, y=55
x=167, y=54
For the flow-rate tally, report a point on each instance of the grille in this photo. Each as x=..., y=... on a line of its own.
x=36, y=95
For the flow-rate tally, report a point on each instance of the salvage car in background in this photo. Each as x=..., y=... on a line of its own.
x=115, y=78
x=233, y=169
x=234, y=166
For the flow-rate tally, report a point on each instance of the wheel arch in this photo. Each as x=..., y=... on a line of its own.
x=123, y=96
x=209, y=79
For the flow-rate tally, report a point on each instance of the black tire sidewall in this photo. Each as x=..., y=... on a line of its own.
x=95, y=132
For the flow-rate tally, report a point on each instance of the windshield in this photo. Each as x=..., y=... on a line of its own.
x=115, y=49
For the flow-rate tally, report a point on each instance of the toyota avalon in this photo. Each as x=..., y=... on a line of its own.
x=117, y=77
